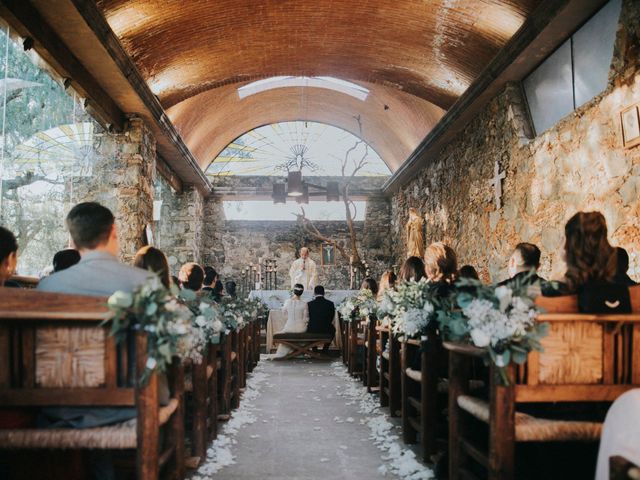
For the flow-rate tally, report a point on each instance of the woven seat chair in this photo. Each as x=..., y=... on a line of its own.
x=586, y=358
x=67, y=358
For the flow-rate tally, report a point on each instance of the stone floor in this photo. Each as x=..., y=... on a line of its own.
x=304, y=430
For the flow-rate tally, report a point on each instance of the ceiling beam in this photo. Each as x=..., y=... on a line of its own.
x=29, y=24
x=551, y=23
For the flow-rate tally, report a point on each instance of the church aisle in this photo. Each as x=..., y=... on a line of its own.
x=302, y=420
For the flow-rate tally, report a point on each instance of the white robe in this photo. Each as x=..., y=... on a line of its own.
x=304, y=272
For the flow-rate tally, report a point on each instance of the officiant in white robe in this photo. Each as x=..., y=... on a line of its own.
x=303, y=271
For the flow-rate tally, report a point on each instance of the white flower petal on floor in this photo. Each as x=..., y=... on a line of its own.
x=219, y=454
x=398, y=460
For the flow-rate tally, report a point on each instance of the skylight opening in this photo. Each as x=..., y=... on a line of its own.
x=329, y=83
x=257, y=210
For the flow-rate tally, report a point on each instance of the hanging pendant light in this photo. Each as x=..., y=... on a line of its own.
x=294, y=184
x=304, y=198
x=333, y=192
x=279, y=194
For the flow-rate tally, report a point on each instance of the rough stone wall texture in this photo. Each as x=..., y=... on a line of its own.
x=232, y=245
x=123, y=180
x=179, y=230
x=579, y=164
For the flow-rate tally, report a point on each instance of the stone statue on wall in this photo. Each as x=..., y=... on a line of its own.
x=415, y=234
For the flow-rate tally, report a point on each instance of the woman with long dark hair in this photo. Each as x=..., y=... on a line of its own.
x=412, y=269
x=152, y=259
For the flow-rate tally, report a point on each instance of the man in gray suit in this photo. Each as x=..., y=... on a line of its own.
x=99, y=273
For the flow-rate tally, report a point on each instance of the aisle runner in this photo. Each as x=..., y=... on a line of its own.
x=219, y=453
x=398, y=459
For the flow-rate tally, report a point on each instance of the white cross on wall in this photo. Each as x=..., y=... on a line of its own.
x=496, y=183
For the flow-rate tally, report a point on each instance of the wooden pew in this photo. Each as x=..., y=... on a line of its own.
x=586, y=358
x=344, y=333
x=227, y=375
x=201, y=410
x=356, y=340
x=55, y=352
x=371, y=346
x=390, y=380
x=420, y=402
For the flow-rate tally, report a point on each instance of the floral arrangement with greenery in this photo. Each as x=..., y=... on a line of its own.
x=411, y=307
x=498, y=319
x=363, y=304
x=237, y=312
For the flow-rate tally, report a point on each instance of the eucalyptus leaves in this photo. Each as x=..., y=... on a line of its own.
x=178, y=322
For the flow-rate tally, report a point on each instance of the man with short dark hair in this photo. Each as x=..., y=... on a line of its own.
x=191, y=276
x=99, y=272
x=210, y=278
x=321, y=314
x=524, y=262
x=623, y=266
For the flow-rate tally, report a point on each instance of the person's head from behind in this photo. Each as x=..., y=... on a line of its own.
x=92, y=227
x=318, y=291
x=298, y=290
x=218, y=288
x=440, y=263
x=230, y=287
x=588, y=253
x=525, y=257
x=623, y=260
x=152, y=259
x=191, y=275
x=8, y=255
x=387, y=280
x=370, y=284
x=210, y=276
x=65, y=258
x=412, y=269
x=468, y=271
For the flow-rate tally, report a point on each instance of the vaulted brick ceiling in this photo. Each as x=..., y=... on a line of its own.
x=416, y=56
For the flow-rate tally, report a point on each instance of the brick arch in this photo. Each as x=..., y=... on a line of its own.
x=208, y=122
x=430, y=49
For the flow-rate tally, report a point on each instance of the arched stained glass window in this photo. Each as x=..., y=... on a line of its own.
x=321, y=149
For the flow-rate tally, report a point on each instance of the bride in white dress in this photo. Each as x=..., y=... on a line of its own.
x=297, y=314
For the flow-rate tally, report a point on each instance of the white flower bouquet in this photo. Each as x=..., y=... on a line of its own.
x=500, y=320
x=410, y=307
x=363, y=305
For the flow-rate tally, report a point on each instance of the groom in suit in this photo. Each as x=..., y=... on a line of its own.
x=321, y=314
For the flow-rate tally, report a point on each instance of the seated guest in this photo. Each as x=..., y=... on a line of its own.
x=99, y=273
x=321, y=314
x=441, y=266
x=387, y=281
x=230, y=288
x=191, y=276
x=524, y=263
x=468, y=271
x=65, y=258
x=217, y=293
x=8, y=255
x=589, y=256
x=623, y=266
x=412, y=269
x=210, y=279
x=152, y=259
x=370, y=284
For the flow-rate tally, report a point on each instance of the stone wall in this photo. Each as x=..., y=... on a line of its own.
x=179, y=230
x=579, y=164
x=232, y=245
x=123, y=180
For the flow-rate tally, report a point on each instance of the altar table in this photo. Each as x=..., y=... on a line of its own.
x=277, y=321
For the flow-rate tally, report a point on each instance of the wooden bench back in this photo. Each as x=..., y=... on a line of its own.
x=54, y=351
x=585, y=355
